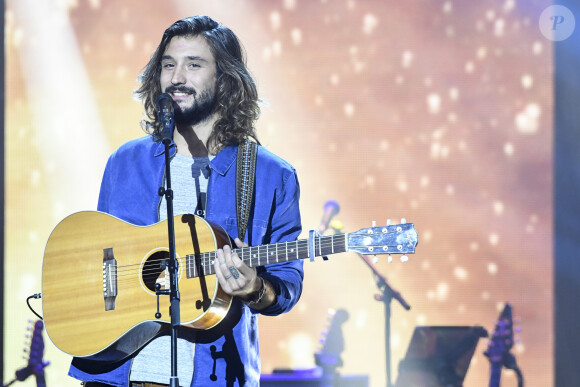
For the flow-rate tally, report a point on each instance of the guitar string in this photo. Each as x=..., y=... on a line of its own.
x=260, y=254
x=256, y=253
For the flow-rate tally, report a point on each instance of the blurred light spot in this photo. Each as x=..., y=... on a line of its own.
x=17, y=37
x=485, y=296
x=399, y=80
x=424, y=181
x=492, y=268
x=348, y=109
x=370, y=22
x=275, y=20
x=527, y=121
x=33, y=237
x=277, y=48
x=452, y=117
x=442, y=291
x=508, y=149
x=450, y=189
x=519, y=348
x=509, y=5
x=318, y=100
x=462, y=146
x=527, y=81
x=469, y=67
x=334, y=79
x=290, y=4
x=481, y=53
x=433, y=103
x=461, y=308
x=427, y=236
x=447, y=7
x=490, y=15
x=453, y=94
x=460, y=273
x=537, y=47
x=425, y=265
x=129, y=40
x=361, y=319
x=421, y=319
x=384, y=145
x=427, y=82
x=296, y=36
x=493, y=239
x=498, y=28
x=28, y=283
x=300, y=344
x=370, y=180
x=430, y=295
x=474, y=246
x=402, y=186
x=121, y=72
x=267, y=54
x=34, y=178
x=498, y=207
x=407, y=59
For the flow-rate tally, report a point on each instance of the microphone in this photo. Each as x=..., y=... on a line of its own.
x=164, y=104
x=331, y=208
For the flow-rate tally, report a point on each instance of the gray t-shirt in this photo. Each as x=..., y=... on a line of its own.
x=189, y=178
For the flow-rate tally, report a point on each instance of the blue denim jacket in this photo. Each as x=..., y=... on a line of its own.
x=129, y=191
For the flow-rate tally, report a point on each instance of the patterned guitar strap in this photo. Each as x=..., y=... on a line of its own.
x=245, y=183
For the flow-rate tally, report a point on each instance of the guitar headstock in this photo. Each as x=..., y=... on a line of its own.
x=35, y=364
x=389, y=239
x=502, y=339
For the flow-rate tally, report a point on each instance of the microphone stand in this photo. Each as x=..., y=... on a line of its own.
x=387, y=294
x=173, y=268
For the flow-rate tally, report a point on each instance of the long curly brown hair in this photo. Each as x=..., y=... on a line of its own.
x=237, y=96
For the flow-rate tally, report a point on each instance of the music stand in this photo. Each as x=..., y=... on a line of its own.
x=439, y=356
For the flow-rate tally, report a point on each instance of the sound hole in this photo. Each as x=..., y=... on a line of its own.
x=154, y=269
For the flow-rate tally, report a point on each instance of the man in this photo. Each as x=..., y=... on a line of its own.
x=201, y=65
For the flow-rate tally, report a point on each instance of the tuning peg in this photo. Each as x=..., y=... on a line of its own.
x=388, y=222
x=375, y=259
x=404, y=258
x=403, y=220
x=390, y=259
x=374, y=224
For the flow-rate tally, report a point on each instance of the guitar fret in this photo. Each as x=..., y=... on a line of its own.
x=255, y=256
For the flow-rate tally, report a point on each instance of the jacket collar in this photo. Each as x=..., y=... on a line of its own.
x=224, y=159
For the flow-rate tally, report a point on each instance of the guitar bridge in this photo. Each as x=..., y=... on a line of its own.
x=109, y=278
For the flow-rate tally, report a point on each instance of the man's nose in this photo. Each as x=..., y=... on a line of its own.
x=178, y=77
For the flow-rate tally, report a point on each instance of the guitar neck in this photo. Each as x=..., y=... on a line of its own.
x=255, y=256
x=495, y=376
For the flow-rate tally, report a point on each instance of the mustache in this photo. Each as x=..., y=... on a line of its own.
x=181, y=89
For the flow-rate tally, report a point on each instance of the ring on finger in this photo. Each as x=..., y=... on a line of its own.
x=235, y=272
x=228, y=276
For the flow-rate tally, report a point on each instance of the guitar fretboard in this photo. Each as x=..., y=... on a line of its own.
x=255, y=256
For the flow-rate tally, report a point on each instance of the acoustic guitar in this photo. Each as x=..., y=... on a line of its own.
x=100, y=274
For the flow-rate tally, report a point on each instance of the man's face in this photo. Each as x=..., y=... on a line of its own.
x=188, y=74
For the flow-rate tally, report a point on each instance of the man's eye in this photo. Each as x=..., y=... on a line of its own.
x=167, y=65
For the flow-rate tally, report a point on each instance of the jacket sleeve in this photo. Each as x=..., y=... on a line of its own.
x=285, y=225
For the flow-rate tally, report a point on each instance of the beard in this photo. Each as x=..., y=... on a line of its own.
x=202, y=108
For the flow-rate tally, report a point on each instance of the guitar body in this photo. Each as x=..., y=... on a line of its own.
x=98, y=283
x=100, y=275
